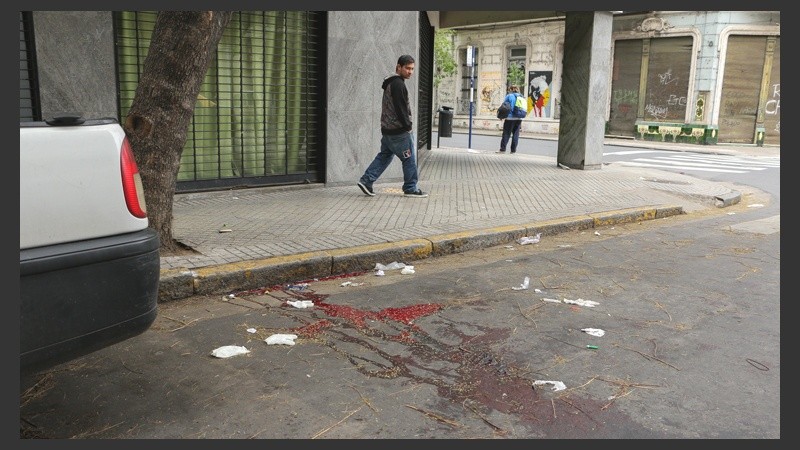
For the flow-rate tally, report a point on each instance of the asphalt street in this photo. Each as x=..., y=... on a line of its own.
x=689, y=306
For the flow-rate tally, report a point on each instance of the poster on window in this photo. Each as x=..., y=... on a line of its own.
x=539, y=93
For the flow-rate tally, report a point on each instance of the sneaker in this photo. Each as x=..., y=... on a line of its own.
x=366, y=190
x=417, y=194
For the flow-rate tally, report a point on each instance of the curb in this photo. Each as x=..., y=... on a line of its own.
x=176, y=284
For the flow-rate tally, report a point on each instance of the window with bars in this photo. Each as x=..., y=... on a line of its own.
x=259, y=117
x=469, y=79
x=29, y=107
x=515, y=73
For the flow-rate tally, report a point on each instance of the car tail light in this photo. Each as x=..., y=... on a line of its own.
x=132, y=182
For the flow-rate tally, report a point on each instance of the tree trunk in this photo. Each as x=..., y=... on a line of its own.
x=181, y=49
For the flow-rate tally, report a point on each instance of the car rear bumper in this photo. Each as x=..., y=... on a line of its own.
x=79, y=297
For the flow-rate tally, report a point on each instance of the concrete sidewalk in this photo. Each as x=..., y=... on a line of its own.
x=477, y=199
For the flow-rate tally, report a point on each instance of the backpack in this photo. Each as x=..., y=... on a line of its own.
x=504, y=110
x=520, y=107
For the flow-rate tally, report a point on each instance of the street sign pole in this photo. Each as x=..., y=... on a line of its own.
x=471, y=65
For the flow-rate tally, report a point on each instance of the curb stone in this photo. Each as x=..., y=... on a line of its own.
x=176, y=284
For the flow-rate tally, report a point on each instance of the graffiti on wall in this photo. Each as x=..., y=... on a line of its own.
x=539, y=93
x=773, y=106
x=491, y=93
x=666, y=96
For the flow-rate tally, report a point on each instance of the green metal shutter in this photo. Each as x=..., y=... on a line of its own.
x=260, y=116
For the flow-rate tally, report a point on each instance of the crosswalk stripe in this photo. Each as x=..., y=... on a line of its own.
x=697, y=162
x=662, y=166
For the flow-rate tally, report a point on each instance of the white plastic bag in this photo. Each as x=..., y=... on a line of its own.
x=226, y=351
x=284, y=339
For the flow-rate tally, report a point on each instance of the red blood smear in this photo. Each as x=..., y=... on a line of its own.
x=359, y=317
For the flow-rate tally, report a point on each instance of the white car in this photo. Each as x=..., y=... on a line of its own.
x=89, y=264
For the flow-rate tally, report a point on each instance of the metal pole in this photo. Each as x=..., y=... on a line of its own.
x=471, y=96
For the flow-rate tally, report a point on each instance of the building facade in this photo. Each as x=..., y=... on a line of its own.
x=291, y=97
x=701, y=77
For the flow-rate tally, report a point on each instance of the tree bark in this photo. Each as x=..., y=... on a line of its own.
x=181, y=49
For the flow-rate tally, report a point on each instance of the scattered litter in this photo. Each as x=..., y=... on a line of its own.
x=510, y=247
x=563, y=166
x=530, y=239
x=297, y=287
x=537, y=290
x=581, y=302
x=251, y=330
x=350, y=283
x=231, y=296
x=755, y=205
x=407, y=270
x=524, y=285
x=731, y=213
x=284, y=339
x=392, y=266
x=557, y=385
x=565, y=246
x=551, y=300
x=594, y=331
x=592, y=347
x=379, y=273
x=300, y=303
x=597, y=233
x=472, y=151
x=225, y=228
x=509, y=260
x=226, y=351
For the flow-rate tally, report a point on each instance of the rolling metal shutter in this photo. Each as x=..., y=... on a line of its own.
x=425, y=81
x=625, y=87
x=744, y=64
x=260, y=116
x=29, y=107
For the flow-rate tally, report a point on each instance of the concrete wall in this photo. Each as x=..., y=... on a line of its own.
x=75, y=59
x=363, y=47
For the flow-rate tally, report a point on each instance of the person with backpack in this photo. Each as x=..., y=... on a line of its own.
x=513, y=122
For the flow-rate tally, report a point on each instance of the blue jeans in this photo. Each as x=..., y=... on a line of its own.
x=510, y=129
x=402, y=146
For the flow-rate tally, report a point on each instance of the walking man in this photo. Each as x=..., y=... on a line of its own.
x=396, y=136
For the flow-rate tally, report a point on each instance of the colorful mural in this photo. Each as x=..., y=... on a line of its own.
x=539, y=93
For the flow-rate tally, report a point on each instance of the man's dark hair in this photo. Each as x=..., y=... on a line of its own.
x=404, y=60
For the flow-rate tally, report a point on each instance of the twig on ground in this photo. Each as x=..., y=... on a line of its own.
x=648, y=356
x=496, y=428
x=435, y=417
x=337, y=423
x=364, y=399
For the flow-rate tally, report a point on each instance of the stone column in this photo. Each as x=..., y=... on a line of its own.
x=585, y=88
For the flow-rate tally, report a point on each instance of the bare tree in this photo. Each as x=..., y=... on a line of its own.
x=181, y=49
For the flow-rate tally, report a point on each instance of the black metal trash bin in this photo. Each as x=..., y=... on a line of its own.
x=445, y=121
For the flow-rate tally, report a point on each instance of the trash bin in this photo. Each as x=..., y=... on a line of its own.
x=445, y=121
